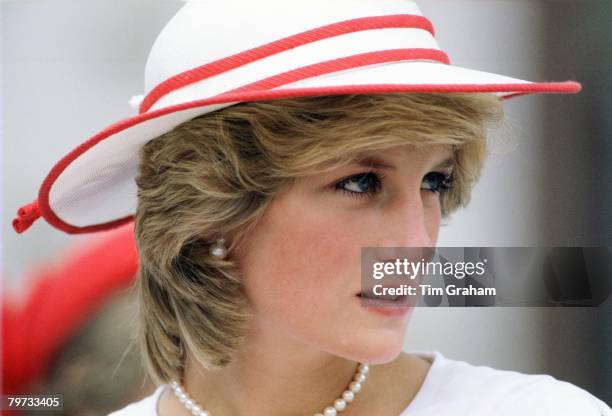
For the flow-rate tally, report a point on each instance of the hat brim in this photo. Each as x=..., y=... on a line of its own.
x=93, y=189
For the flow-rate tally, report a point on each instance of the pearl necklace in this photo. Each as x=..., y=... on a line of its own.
x=339, y=404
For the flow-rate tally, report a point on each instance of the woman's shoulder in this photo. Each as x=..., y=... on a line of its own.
x=144, y=407
x=476, y=389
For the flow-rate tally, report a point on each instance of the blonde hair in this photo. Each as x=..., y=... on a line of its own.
x=214, y=176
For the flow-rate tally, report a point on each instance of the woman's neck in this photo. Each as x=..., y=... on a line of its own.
x=270, y=376
x=275, y=375
x=389, y=389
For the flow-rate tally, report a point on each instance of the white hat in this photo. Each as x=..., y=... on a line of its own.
x=213, y=54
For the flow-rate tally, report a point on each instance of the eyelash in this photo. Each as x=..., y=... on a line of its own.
x=445, y=183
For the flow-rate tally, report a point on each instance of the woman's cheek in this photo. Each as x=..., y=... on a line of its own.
x=317, y=256
x=319, y=265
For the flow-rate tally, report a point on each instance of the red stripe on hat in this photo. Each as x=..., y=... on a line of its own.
x=340, y=64
x=324, y=32
x=567, y=87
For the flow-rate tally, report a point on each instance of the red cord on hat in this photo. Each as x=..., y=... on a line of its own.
x=26, y=215
x=251, y=55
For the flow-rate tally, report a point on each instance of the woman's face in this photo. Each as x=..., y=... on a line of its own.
x=301, y=262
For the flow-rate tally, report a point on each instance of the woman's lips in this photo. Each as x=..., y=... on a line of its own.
x=397, y=307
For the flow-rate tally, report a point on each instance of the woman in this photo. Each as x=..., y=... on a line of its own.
x=353, y=130
x=275, y=326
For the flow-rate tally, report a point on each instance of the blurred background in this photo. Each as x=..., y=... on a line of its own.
x=69, y=68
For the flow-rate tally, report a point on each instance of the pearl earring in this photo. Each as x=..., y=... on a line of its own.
x=218, y=249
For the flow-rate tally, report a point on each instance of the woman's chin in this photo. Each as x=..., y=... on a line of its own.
x=376, y=348
x=382, y=354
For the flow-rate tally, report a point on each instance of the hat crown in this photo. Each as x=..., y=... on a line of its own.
x=204, y=31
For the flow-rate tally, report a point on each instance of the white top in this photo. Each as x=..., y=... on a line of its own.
x=454, y=388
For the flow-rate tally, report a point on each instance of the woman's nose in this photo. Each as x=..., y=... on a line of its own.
x=410, y=222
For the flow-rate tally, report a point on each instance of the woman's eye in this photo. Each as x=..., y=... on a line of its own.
x=437, y=182
x=368, y=184
x=362, y=185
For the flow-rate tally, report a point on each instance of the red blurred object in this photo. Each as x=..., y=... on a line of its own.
x=59, y=298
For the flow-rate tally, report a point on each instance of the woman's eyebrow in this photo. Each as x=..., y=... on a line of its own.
x=376, y=162
x=373, y=162
x=450, y=162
